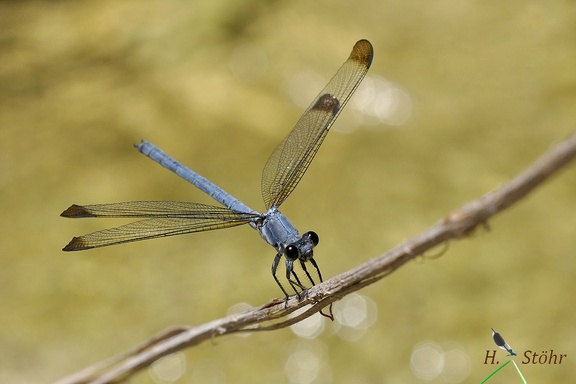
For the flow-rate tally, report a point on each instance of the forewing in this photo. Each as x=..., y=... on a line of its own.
x=291, y=158
x=162, y=218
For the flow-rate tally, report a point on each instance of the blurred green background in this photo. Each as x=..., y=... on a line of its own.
x=469, y=93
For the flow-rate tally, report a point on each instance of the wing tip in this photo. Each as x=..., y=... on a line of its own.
x=75, y=211
x=76, y=244
x=363, y=52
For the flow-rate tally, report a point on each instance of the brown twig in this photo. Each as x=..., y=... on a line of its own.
x=273, y=315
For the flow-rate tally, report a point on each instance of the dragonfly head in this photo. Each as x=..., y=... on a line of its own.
x=303, y=248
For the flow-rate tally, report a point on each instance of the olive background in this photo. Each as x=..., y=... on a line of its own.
x=491, y=86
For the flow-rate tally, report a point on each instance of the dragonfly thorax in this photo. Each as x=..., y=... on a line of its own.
x=280, y=233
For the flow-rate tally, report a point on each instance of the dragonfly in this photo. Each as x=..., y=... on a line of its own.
x=499, y=340
x=282, y=173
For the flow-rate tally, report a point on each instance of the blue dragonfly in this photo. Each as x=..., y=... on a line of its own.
x=499, y=340
x=281, y=175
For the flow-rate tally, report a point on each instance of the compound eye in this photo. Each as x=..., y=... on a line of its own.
x=292, y=252
x=313, y=237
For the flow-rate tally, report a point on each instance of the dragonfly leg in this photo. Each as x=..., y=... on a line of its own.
x=330, y=314
x=303, y=264
x=294, y=283
x=313, y=262
x=274, y=268
x=297, y=282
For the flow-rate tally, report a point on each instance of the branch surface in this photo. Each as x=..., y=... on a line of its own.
x=274, y=314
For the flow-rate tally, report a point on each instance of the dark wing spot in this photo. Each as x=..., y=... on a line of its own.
x=363, y=53
x=76, y=211
x=327, y=103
